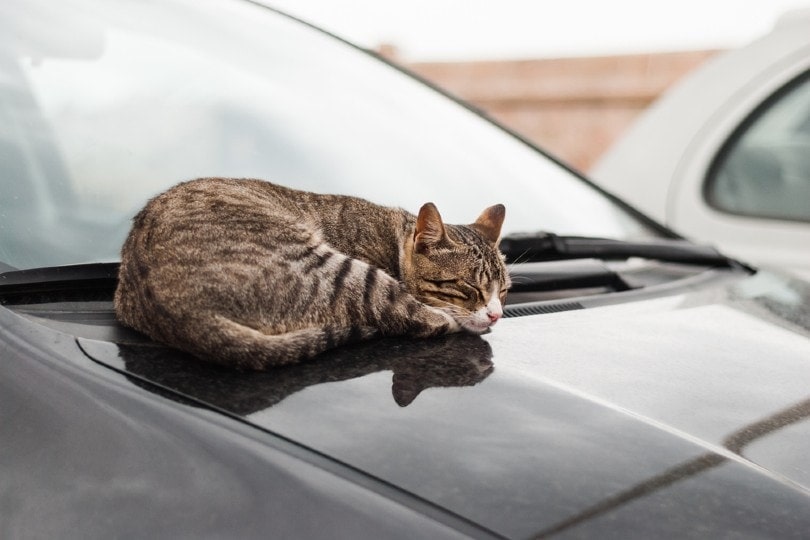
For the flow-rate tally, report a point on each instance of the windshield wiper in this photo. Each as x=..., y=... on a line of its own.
x=561, y=275
x=76, y=279
x=545, y=246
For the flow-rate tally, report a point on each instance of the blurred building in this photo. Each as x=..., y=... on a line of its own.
x=573, y=107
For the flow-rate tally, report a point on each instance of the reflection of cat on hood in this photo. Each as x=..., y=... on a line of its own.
x=452, y=360
x=450, y=364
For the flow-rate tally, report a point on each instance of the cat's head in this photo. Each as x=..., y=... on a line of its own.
x=458, y=268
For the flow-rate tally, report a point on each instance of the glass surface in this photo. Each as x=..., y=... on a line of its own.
x=105, y=103
x=765, y=171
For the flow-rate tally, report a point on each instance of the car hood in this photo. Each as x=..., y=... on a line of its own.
x=683, y=415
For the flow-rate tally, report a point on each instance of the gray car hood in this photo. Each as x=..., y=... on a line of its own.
x=681, y=415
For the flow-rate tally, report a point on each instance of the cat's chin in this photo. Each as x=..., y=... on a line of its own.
x=475, y=328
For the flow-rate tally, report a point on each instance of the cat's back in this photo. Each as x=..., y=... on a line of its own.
x=205, y=200
x=218, y=214
x=215, y=214
x=203, y=241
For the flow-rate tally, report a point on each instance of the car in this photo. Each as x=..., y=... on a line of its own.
x=639, y=385
x=722, y=157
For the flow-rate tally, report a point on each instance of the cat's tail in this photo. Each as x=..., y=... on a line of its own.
x=233, y=344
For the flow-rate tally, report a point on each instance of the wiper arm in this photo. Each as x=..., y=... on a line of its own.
x=560, y=275
x=546, y=246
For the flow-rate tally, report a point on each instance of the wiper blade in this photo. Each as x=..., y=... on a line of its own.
x=546, y=246
x=560, y=275
x=74, y=277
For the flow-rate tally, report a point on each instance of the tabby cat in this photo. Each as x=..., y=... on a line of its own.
x=251, y=274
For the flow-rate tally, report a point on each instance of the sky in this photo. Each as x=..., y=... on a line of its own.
x=447, y=30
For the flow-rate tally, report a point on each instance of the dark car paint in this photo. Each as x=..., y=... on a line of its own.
x=86, y=453
x=679, y=415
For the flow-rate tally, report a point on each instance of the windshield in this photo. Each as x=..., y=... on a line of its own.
x=105, y=103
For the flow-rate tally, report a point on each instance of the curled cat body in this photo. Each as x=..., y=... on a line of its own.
x=251, y=274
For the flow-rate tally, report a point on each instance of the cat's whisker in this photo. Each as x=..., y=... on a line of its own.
x=519, y=279
x=519, y=259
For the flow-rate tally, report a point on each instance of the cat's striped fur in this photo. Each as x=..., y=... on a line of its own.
x=251, y=274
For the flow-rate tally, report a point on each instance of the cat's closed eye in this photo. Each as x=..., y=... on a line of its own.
x=475, y=291
x=452, y=293
x=444, y=287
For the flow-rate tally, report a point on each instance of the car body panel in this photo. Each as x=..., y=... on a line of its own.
x=661, y=163
x=557, y=423
x=88, y=454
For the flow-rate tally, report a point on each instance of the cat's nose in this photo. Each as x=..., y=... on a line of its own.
x=493, y=316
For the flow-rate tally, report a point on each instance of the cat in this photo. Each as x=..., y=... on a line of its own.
x=251, y=274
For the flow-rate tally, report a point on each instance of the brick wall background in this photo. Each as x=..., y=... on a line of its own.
x=572, y=107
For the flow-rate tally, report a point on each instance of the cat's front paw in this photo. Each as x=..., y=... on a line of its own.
x=450, y=325
x=453, y=325
x=434, y=323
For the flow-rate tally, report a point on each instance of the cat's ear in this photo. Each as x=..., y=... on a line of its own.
x=429, y=230
x=490, y=221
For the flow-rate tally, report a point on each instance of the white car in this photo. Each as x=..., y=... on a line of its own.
x=724, y=157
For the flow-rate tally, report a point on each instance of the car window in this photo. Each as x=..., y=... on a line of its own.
x=764, y=170
x=104, y=103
